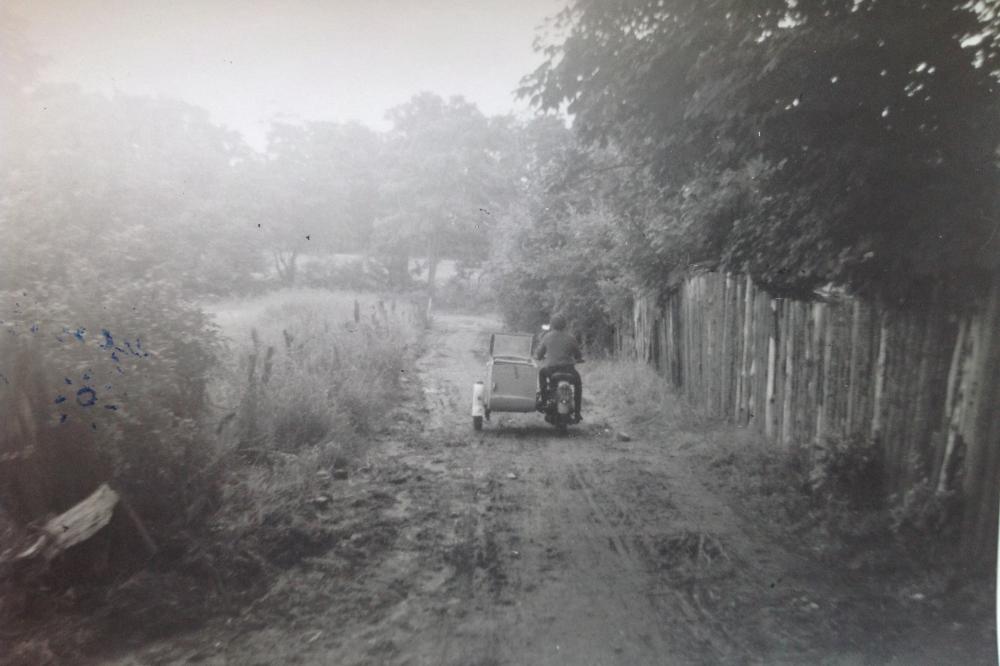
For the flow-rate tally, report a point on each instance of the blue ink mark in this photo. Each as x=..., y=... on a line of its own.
x=111, y=407
x=119, y=369
x=67, y=380
x=86, y=375
x=109, y=341
x=34, y=328
x=62, y=418
x=93, y=426
x=59, y=399
x=4, y=378
x=86, y=396
x=107, y=387
x=79, y=333
x=114, y=357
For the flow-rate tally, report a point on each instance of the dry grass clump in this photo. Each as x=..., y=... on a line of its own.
x=637, y=396
x=312, y=368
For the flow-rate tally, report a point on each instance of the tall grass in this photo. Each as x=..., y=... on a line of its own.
x=638, y=397
x=308, y=366
x=301, y=381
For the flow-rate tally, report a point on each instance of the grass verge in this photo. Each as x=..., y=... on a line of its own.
x=306, y=383
x=829, y=506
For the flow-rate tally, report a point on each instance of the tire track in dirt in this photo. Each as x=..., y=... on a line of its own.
x=701, y=627
x=555, y=563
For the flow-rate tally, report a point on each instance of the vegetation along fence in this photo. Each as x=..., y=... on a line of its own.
x=922, y=385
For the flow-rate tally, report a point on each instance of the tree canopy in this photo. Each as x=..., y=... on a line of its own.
x=807, y=142
x=444, y=175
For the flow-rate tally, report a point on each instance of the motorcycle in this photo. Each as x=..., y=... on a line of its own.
x=511, y=384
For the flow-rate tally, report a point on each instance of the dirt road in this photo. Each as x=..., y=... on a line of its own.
x=517, y=546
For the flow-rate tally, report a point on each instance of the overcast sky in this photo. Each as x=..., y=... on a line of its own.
x=246, y=61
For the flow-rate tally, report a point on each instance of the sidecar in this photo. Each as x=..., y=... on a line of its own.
x=511, y=383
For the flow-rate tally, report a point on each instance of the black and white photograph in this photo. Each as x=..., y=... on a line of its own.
x=499, y=332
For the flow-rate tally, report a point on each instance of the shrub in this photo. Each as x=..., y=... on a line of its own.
x=849, y=471
x=924, y=511
x=464, y=292
x=108, y=388
x=354, y=274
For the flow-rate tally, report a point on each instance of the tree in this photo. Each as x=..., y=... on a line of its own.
x=553, y=248
x=135, y=188
x=111, y=210
x=444, y=177
x=314, y=191
x=859, y=137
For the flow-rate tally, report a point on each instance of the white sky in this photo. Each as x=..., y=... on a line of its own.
x=247, y=61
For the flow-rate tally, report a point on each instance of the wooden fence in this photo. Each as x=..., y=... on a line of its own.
x=922, y=384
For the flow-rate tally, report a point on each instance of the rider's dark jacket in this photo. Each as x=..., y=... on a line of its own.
x=558, y=348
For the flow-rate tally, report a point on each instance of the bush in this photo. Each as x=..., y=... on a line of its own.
x=850, y=472
x=319, y=383
x=107, y=389
x=355, y=274
x=924, y=511
x=464, y=292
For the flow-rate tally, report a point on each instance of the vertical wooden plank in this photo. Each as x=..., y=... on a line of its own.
x=829, y=371
x=852, y=381
x=742, y=392
x=763, y=335
x=809, y=409
x=778, y=309
x=704, y=312
x=708, y=341
x=803, y=432
x=983, y=489
x=893, y=390
x=822, y=360
x=692, y=371
x=723, y=373
x=787, y=417
x=878, y=408
x=751, y=387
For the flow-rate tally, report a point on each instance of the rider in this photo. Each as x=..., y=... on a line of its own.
x=559, y=350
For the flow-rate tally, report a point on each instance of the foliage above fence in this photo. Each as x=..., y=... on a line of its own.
x=845, y=141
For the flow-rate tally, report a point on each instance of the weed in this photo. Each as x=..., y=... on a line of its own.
x=638, y=396
x=304, y=381
x=308, y=372
x=849, y=471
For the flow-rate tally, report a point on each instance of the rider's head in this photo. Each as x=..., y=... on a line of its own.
x=558, y=322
